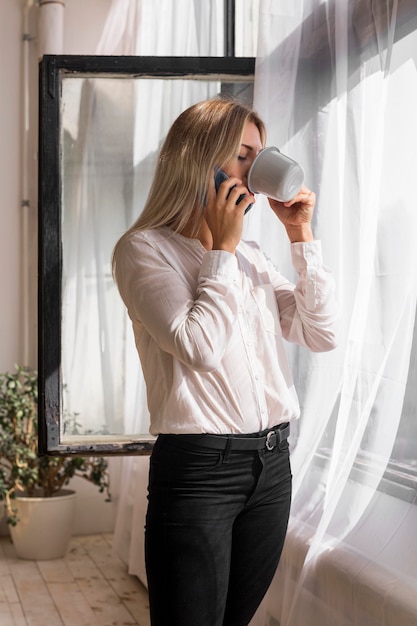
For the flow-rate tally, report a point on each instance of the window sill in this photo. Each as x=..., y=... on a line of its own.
x=371, y=578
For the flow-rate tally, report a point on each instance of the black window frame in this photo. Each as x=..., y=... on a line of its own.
x=51, y=70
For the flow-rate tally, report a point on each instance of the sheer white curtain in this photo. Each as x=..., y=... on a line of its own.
x=112, y=129
x=336, y=83
x=112, y=133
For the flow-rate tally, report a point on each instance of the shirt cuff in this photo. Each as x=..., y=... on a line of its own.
x=219, y=263
x=306, y=254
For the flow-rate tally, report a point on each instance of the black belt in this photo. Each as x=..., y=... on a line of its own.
x=268, y=439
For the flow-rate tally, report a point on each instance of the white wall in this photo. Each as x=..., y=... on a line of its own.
x=83, y=24
x=10, y=152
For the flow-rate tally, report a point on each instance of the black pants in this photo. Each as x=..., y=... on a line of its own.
x=215, y=529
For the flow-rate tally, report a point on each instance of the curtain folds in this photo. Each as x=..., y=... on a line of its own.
x=112, y=131
x=336, y=83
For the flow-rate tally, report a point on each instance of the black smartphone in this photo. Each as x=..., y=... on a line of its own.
x=219, y=178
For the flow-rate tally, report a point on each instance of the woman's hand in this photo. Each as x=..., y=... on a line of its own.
x=224, y=217
x=296, y=215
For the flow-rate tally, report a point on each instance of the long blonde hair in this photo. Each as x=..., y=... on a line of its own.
x=205, y=135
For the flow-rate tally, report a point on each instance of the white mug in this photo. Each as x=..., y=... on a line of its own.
x=275, y=175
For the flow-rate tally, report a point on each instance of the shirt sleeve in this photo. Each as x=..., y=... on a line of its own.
x=190, y=316
x=308, y=310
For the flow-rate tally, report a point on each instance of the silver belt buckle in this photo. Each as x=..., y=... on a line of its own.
x=268, y=444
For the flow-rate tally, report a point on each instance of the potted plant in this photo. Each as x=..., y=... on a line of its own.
x=29, y=479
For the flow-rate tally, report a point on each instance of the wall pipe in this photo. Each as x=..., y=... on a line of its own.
x=25, y=203
x=51, y=27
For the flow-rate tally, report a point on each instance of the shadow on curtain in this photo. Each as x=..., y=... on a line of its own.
x=336, y=83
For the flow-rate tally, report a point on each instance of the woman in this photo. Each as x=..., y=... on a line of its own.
x=209, y=313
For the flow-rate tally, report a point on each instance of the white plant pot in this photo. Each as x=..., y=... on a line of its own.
x=45, y=525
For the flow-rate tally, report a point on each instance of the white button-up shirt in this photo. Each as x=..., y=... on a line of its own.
x=210, y=327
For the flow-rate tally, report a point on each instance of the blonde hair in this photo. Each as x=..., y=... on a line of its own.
x=205, y=135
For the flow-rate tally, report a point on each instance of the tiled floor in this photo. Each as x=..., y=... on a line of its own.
x=89, y=587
